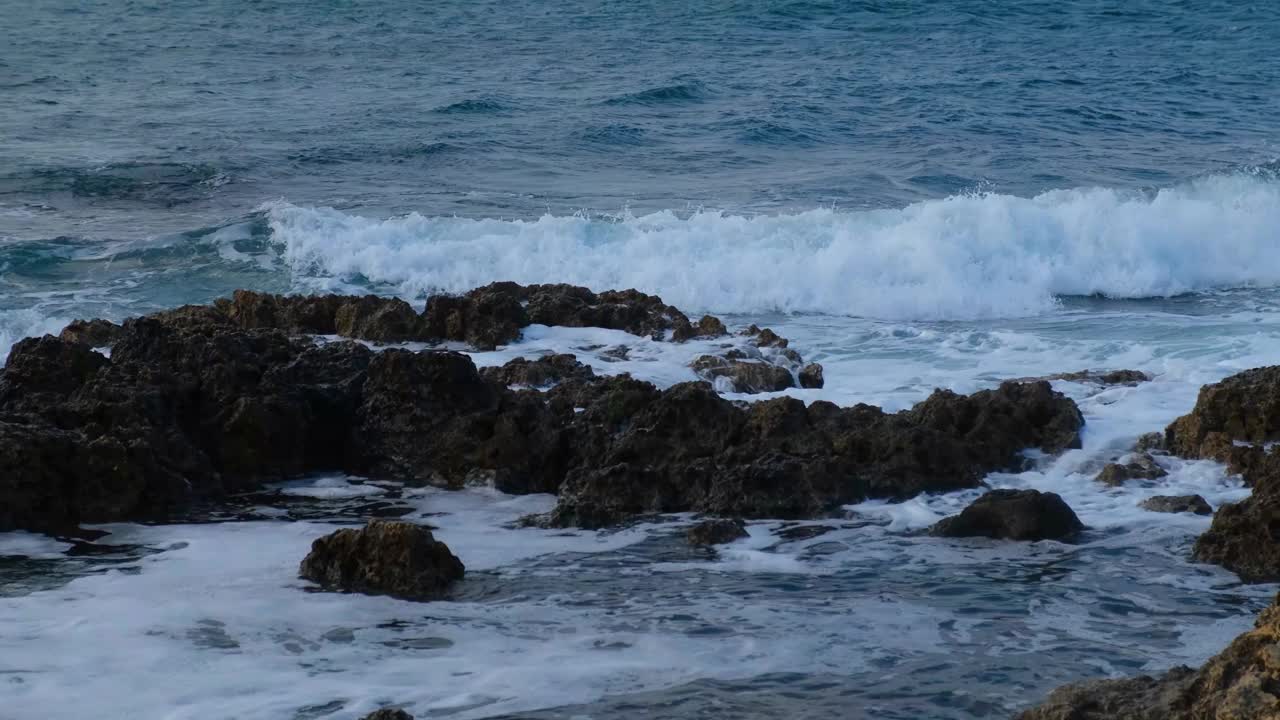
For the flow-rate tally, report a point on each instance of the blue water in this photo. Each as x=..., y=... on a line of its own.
x=918, y=194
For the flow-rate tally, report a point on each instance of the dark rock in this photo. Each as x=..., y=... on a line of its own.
x=1096, y=377
x=1013, y=515
x=765, y=337
x=1244, y=536
x=541, y=372
x=811, y=376
x=717, y=531
x=1236, y=684
x=48, y=366
x=430, y=418
x=638, y=450
x=709, y=327
x=483, y=318
x=1143, y=467
x=386, y=557
x=1244, y=407
x=1177, y=504
x=378, y=319
x=94, y=333
x=388, y=714
x=745, y=376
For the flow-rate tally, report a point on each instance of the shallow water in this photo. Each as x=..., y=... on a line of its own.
x=917, y=195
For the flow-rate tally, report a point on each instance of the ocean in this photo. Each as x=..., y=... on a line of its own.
x=919, y=195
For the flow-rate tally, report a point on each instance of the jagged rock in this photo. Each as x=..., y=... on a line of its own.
x=1143, y=467
x=1013, y=515
x=638, y=450
x=430, y=418
x=542, y=372
x=388, y=714
x=765, y=337
x=483, y=318
x=1242, y=538
x=1177, y=504
x=378, y=319
x=717, y=531
x=745, y=376
x=1242, y=408
x=386, y=557
x=709, y=327
x=200, y=401
x=94, y=333
x=811, y=376
x=1238, y=683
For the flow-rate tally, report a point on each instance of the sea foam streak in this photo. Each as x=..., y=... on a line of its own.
x=964, y=257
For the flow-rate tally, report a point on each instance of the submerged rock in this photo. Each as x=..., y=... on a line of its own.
x=1013, y=515
x=1239, y=683
x=1149, y=442
x=1177, y=504
x=717, y=531
x=1142, y=467
x=1096, y=377
x=388, y=714
x=386, y=557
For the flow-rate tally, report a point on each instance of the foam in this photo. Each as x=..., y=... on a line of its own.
x=964, y=257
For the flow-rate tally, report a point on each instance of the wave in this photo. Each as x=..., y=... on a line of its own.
x=964, y=257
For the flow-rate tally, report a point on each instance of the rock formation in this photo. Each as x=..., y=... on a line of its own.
x=1013, y=515
x=386, y=557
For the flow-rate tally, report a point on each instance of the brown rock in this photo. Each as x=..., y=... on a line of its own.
x=746, y=376
x=1143, y=467
x=1239, y=683
x=1177, y=504
x=1013, y=515
x=1244, y=407
x=717, y=531
x=541, y=372
x=94, y=333
x=811, y=376
x=386, y=557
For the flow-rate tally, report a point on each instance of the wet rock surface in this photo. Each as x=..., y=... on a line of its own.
x=716, y=531
x=94, y=333
x=202, y=401
x=388, y=714
x=745, y=376
x=1177, y=504
x=1239, y=683
x=1013, y=515
x=386, y=557
x=1141, y=467
x=1244, y=408
x=1096, y=377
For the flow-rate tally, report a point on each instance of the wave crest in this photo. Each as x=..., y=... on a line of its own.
x=965, y=257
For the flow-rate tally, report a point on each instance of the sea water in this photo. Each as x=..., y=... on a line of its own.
x=918, y=195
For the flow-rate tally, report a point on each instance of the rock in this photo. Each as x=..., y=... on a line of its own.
x=1013, y=515
x=386, y=557
x=388, y=714
x=1236, y=684
x=1143, y=467
x=387, y=320
x=765, y=337
x=1177, y=504
x=745, y=376
x=1242, y=408
x=94, y=333
x=811, y=376
x=709, y=327
x=542, y=372
x=1242, y=538
x=638, y=450
x=431, y=418
x=1096, y=377
x=483, y=318
x=1149, y=442
x=717, y=531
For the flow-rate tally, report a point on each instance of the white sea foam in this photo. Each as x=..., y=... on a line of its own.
x=973, y=256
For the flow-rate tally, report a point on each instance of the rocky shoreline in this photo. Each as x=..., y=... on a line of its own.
x=135, y=421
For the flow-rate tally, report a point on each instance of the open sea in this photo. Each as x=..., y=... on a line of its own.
x=917, y=194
